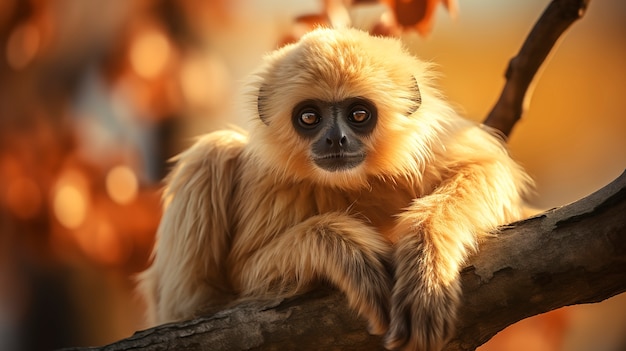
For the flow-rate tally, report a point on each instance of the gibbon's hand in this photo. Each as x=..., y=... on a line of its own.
x=423, y=309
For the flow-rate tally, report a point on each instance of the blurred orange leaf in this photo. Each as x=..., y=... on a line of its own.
x=399, y=15
x=419, y=14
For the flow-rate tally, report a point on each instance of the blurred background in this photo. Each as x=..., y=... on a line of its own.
x=95, y=96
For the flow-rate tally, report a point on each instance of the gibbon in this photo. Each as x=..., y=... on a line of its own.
x=355, y=172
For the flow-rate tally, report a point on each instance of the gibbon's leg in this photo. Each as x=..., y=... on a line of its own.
x=434, y=237
x=334, y=247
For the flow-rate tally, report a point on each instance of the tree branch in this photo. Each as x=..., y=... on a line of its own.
x=570, y=255
x=557, y=17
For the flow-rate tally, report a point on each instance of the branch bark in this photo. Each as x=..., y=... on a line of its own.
x=571, y=255
x=557, y=17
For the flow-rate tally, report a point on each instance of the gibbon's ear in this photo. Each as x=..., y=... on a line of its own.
x=416, y=97
x=260, y=104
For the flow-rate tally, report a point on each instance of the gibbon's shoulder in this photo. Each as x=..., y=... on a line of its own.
x=212, y=159
x=211, y=148
x=222, y=141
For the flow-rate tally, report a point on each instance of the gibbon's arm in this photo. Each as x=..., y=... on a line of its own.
x=192, y=239
x=334, y=247
x=481, y=188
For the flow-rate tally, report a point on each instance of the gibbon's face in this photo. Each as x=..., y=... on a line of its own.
x=340, y=106
x=335, y=130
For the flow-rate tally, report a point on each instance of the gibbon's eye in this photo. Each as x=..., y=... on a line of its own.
x=359, y=114
x=309, y=118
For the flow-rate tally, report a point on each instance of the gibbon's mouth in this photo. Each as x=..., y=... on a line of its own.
x=339, y=162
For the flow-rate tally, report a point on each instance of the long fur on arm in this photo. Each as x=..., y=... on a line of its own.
x=193, y=237
x=437, y=232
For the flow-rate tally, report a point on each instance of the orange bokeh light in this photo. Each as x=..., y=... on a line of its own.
x=149, y=53
x=70, y=201
x=22, y=45
x=122, y=185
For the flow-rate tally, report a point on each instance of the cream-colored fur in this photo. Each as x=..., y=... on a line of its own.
x=252, y=216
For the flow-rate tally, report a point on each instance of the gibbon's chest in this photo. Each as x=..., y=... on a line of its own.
x=275, y=207
x=381, y=204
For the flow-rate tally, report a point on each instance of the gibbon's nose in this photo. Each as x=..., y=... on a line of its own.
x=334, y=140
x=339, y=140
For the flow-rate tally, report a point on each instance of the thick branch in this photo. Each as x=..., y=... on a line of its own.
x=570, y=255
x=557, y=17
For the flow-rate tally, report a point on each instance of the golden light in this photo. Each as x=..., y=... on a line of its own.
x=149, y=53
x=22, y=45
x=204, y=80
x=107, y=246
x=100, y=240
x=23, y=197
x=71, y=199
x=122, y=185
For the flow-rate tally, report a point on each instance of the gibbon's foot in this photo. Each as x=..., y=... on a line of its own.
x=423, y=311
